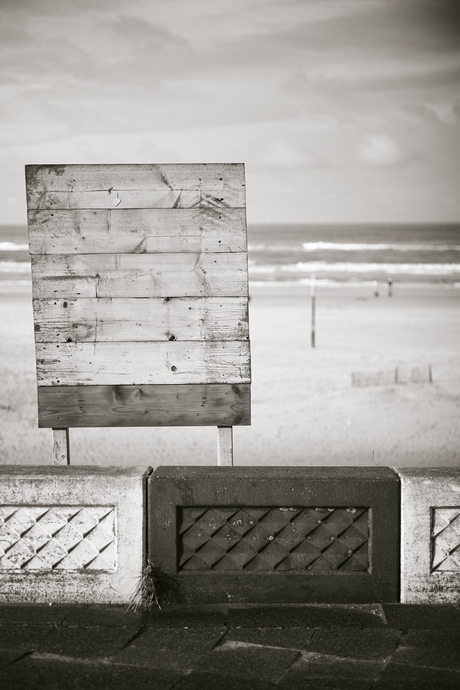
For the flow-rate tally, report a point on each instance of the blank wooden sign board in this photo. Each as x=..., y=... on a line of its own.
x=140, y=297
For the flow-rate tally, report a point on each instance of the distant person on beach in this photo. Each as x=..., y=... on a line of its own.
x=390, y=286
x=376, y=285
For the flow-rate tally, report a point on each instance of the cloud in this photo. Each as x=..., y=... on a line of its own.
x=292, y=87
x=380, y=149
x=279, y=154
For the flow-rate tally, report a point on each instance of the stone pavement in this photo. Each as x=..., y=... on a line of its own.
x=299, y=647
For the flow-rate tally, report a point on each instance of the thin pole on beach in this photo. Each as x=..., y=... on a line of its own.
x=313, y=308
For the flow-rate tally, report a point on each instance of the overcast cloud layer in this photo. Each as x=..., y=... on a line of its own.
x=342, y=110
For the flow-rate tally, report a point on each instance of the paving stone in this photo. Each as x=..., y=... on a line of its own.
x=100, y=615
x=12, y=636
x=114, y=677
x=286, y=638
x=179, y=649
x=400, y=677
x=40, y=674
x=189, y=617
x=49, y=673
x=240, y=660
x=86, y=643
x=428, y=638
x=31, y=614
x=266, y=617
x=208, y=681
x=320, y=671
x=368, y=645
x=7, y=656
x=422, y=616
x=347, y=616
x=439, y=649
x=18, y=640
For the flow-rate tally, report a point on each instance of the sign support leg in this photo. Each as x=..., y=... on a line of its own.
x=225, y=446
x=61, y=447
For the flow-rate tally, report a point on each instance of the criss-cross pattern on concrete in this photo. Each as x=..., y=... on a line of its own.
x=48, y=538
x=445, y=539
x=275, y=538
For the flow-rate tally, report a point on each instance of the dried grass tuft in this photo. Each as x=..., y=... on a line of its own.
x=154, y=589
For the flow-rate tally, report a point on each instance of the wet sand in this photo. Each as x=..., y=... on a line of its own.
x=305, y=410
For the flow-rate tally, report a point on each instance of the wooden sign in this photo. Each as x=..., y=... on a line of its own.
x=140, y=294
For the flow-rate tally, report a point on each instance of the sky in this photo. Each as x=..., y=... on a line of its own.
x=344, y=111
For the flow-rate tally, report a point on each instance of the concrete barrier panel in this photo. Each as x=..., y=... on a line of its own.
x=277, y=534
x=430, y=535
x=71, y=534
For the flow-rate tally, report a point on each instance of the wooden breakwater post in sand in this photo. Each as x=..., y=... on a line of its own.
x=313, y=309
x=140, y=297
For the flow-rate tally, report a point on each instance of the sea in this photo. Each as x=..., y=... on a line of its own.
x=331, y=255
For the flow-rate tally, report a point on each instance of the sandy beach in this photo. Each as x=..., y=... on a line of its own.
x=305, y=410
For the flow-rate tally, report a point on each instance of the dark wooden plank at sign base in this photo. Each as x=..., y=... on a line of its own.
x=153, y=405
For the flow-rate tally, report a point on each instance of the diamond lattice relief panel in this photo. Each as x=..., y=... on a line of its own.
x=445, y=539
x=273, y=539
x=57, y=538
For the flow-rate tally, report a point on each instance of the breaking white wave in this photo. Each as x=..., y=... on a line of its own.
x=13, y=247
x=355, y=247
x=330, y=283
x=14, y=267
x=343, y=267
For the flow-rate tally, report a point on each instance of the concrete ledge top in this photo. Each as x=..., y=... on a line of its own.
x=74, y=470
x=427, y=472
x=326, y=473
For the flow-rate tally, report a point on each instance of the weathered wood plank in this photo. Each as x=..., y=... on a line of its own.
x=139, y=275
x=61, y=446
x=135, y=186
x=137, y=231
x=225, y=446
x=71, y=364
x=157, y=176
x=140, y=319
x=164, y=405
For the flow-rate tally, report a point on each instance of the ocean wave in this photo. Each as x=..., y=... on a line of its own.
x=329, y=282
x=14, y=267
x=342, y=267
x=340, y=284
x=13, y=247
x=355, y=247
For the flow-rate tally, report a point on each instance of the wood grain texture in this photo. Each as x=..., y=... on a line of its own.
x=139, y=275
x=71, y=364
x=137, y=231
x=61, y=447
x=140, y=281
x=164, y=405
x=135, y=186
x=225, y=446
x=138, y=319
